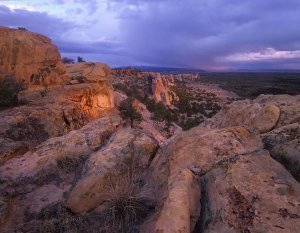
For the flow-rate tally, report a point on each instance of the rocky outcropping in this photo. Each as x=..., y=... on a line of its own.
x=201, y=180
x=161, y=90
x=39, y=179
x=263, y=117
x=30, y=57
x=275, y=117
x=154, y=85
x=284, y=145
x=265, y=113
x=221, y=180
x=70, y=146
x=127, y=148
x=88, y=72
x=289, y=107
x=62, y=110
x=48, y=111
x=95, y=75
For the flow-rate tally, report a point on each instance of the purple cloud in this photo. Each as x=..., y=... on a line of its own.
x=191, y=33
x=63, y=34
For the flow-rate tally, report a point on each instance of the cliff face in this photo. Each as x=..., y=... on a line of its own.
x=30, y=57
x=52, y=110
x=94, y=74
x=161, y=89
x=61, y=110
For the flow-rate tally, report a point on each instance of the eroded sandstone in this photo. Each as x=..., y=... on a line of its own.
x=30, y=57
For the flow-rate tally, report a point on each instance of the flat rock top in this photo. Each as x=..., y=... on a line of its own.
x=88, y=71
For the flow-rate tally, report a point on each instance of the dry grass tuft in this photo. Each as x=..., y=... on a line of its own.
x=128, y=202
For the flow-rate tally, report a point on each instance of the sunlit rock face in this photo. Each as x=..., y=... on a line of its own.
x=93, y=74
x=161, y=89
x=55, y=101
x=30, y=57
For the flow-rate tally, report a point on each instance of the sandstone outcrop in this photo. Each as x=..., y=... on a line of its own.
x=39, y=179
x=125, y=148
x=88, y=72
x=284, y=145
x=289, y=107
x=61, y=110
x=52, y=110
x=201, y=180
x=221, y=180
x=264, y=113
x=253, y=194
x=187, y=157
x=244, y=113
x=154, y=85
x=161, y=90
x=30, y=57
x=73, y=145
x=275, y=117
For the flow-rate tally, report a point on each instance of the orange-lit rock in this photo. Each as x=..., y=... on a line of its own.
x=30, y=57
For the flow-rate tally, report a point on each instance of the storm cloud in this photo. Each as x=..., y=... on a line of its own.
x=209, y=34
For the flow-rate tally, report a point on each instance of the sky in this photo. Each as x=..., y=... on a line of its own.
x=202, y=34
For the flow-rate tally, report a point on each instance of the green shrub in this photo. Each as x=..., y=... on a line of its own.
x=67, y=60
x=190, y=123
x=9, y=89
x=80, y=59
x=22, y=28
x=128, y=112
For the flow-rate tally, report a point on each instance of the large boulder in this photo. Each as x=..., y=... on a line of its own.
x=289, y=107
x=265, y=113
x=220, y=180
x=252, y=194
x=128, y=149
x=30, y=57
x=45, y=158
x=177, y=166
x=284, y=146
x=89, y=72
x=263, y=117
x=276, y=117
x=95, y=74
